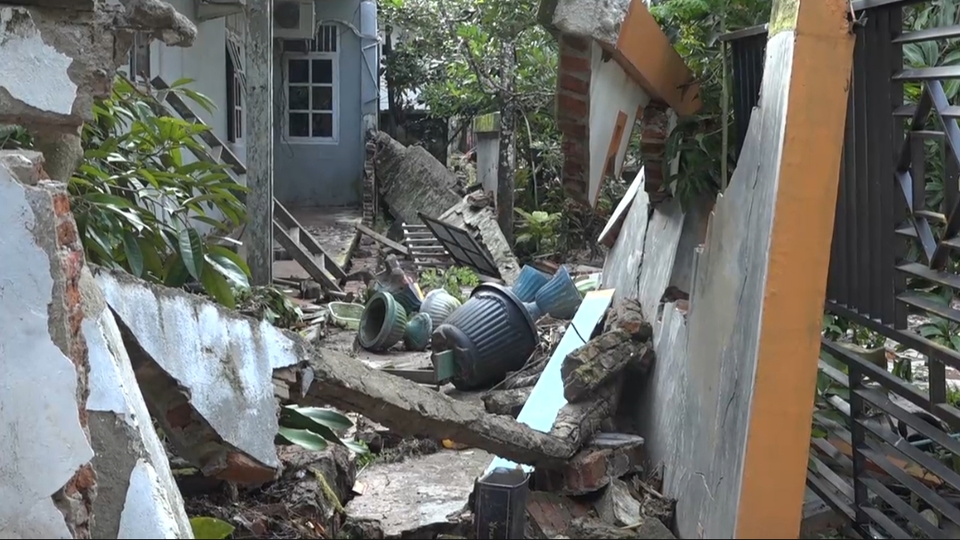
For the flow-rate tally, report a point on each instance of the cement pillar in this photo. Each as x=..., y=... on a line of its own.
x=259, y=94
x=486, y=129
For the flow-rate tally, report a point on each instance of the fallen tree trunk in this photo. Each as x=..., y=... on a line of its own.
x=407, y=407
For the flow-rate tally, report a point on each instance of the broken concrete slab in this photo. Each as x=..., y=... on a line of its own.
x=202, y=363
x=199, y=364
x=48, y=483
x=411, y=180
x=509, y=402
x=414, y=498
x=483, y=223
x=137, y=496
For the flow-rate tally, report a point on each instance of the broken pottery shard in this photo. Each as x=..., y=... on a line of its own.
x=134, y=474
x=48, y=485
x=198, y=365
x=617, y=505
x=507, y=402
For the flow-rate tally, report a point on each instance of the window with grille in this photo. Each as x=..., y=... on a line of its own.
x=311, y=73
x=140, y=57
x=234, y=99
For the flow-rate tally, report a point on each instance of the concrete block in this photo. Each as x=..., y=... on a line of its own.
x=198, y=365
x=48, y=484
x=137, y=496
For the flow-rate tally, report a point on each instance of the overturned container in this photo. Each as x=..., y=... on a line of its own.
x=528, y=283
x=439, y=304
x=559, y=297
x=489, y=335
x=382, y=323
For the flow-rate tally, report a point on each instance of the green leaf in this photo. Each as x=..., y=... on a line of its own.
x=221, y=251
x=327, y=417
x=175, y=274
x=216, y=286
x=210, y=528
x=302, y=437
x=356, y=447
x=293, y=419
x=191, y=250
x=228, y=269
x=151, y=258
x=131, y=250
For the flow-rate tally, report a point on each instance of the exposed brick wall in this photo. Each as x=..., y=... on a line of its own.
x=655, y=128
x=573, y=108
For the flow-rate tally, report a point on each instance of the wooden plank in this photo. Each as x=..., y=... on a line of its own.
x=307, y=240
x=304, y=259
x=383, y=239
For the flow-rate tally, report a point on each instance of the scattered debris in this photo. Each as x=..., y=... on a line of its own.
x=383, y=240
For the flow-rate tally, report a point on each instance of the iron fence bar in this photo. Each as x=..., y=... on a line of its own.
x=933, y=433
x=841, y=485
x=888, y=525
x=940, y=102
x=863, y=293
x=831, y=497
x=875, y=454
x=891, y=25
x=902, y=508
x=832, y=452
x=857, y=442
x=904, y=448
x=875, y=112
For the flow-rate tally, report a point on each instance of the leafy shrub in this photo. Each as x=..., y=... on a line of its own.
x=313, y=428
x=138, y=202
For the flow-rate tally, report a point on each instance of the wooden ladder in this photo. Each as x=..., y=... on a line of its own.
x=298, y=242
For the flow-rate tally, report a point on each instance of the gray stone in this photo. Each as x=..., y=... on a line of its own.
x=411, y=180
x=419, y=494
x=617, y=505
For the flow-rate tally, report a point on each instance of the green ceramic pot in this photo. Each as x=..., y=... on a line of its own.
x=383, y=322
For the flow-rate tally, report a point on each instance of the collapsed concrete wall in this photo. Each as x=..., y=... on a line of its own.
x=206, y=376
x=736, y=367
x=137, y=495
x=48, y=484
x=411, y=180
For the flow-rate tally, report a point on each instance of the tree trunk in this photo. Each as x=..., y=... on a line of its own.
x=506, y=173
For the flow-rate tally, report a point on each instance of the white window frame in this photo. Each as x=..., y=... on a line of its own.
x=335, y=84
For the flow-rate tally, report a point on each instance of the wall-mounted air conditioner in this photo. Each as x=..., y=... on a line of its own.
x=293, y=19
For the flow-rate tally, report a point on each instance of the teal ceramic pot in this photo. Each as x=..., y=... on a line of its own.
x=382, y=323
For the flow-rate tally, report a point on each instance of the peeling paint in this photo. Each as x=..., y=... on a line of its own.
x=33, y=72
x=43, y=443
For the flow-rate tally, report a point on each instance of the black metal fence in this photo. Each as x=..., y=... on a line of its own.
x=885, y=453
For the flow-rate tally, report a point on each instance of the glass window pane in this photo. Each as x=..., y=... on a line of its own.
x=299, y=71
x=299, y=98
x=299, y=125
x=322, y=98
x=323, y=71
x=323, y=125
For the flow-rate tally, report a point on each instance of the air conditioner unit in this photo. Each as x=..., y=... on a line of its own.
x=293, y=19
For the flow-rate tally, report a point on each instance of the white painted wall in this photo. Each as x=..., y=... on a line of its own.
x=205, y=63
x=41, y=441
x=611, y=91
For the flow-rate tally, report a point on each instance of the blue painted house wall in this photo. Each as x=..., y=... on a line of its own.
x=328, y=173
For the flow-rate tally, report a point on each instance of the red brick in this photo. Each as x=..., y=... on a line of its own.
x=576, y=43
x=574, y=84
x=590, y=470
x=574, y=64
x=180, y=416
x=61, y=204
x=572, y=106
x=242, y=469
x=67, y=232
x=572, y=129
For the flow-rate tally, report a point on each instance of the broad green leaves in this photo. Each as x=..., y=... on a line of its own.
x=143, y=206
x=313, y=428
